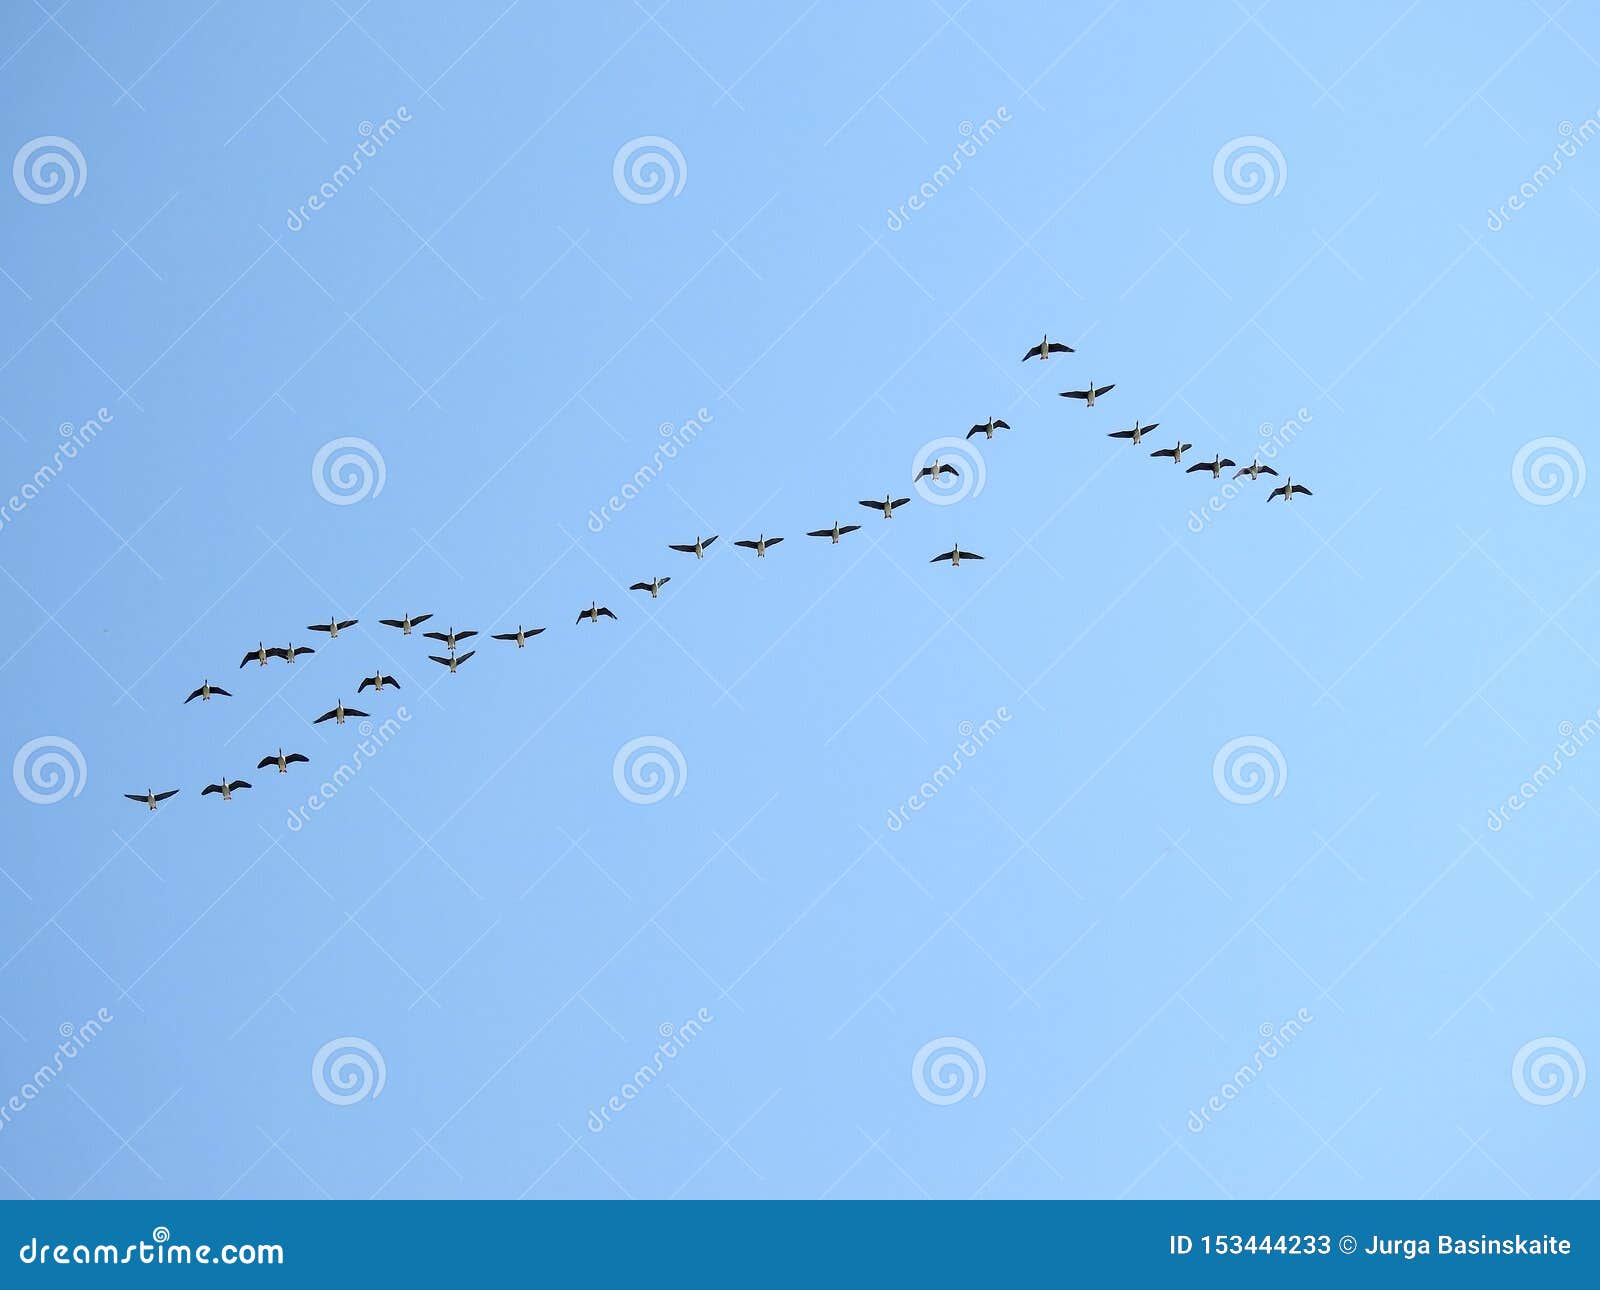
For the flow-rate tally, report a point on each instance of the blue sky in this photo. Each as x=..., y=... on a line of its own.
x=1083, y=904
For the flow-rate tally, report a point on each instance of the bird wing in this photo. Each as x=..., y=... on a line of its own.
x=210, y=788
x=294, y=757
x=195, y=695
x=926, y=470
x=1165, y=452
x=1267, y=470
x=277, y=652
x=977, y=430
x=849, y=528
x=774, y=541
x=607, y=613
x=1202, y=465
x=1301, y=488
x=365, y=683
x=265, y=762
x=1277, y=492
x=947, y=469
x=1186, y=447
x=638, y=586
x=420, y=618
x=446, y=662
x=171, y=792
x=970, y=555
x=681, y=546
x=709, y=541
x=329, y=715
x=1104, y=389
x=809, y=533
x=899, y=502
x=247, y=658
x=581, y=616
x=1227, y=462
x=303, y=649
x=319, y=627
x=948, y=555
x=238, y=783
x=1056, y=347
x=511, y=636
x=877, y=506
x=435, y=636
x=217, y=689
x=1120, y=434
x=662, y=582
x=1001, y=425
x=750, y=545
x=460, y=660
x=136, y=797
x=389, y=680
x=1243, y=470
x=391, y=622
x=348, y=622
x=461, y=636
x=1036, y=352
x=1074, y=394
x=355, y=712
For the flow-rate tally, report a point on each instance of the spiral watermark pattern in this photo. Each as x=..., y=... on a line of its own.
x=649, y=769
x=947, y=1070
x=1248, y=170
x=160, y=1234
x=1549, y=470
x=349, y=470
x=1548, y=1070
x=347, y=1070
x=649, y=169
x=943, y=489
x=49, y=769
x=49, y=168
x=1249, y=769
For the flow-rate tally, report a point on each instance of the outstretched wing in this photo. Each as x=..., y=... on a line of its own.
x=461, y=636
x=247, y=658
x=947, y=469
x=1036, y=352
x=899, y=502
x=369, y=681
x=1204, y=465
x=606, y=613
x=1227, y=462
x=171, y=792
x=1001, y=425
x=319, y=627
x=1120, y=434
x=238, y=783
x=638, y=586
x=294, y=757
x=774, y=541
x=849, y=528
x=435, y=636
x=809, y=533
x=681, y=546
x=977, y=430
x=391, y=622
x=1104, y=389
x=348, y=622
x=1301, y=488
x=329, y=715
x=210, y=788
x=195, y=695
x=301, y=649
x=1074, y=394
x=1165, y=452
x=217, y=689
x=877, y=506
x=136, y=797
x=1056, y=347
x=708, y=541
x=389, y=680
x=464, y=657
x=504, y=636
x=970, y=555
x=265, y=762
x=948, y=555
x=1278, y=492
x=446, y=662
x=355, y=712
x=279, y=652
x=748, y=545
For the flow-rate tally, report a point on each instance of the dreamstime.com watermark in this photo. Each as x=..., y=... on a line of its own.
x=1274, y=439
x=973, y=138
x=373, y=740
x=1274, y=1039
x=674, y=439
x=674, y=1039
x=1574, y=739
x=973, y=740
x=372, y=139
x=1573, y=137
x=74, y=1039
x=74, y=439
x=160, y=1249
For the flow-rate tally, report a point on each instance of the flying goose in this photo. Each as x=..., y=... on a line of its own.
x=1045, y=348
x=205, y=692
x=150, y=797
x=1255, y=470
x=760, y=545
x=260, y=654
x=956, y=555
x=337, y=714
x=520, y=635
x=1088, y=396
x=697, y=548
x=407, y=623
x=226, y=788
x=937, y=469
x=449, y=638
x=1175, y=453
x=887, y=506
x=291, y=653
x=1288, y=489
x=836, y=532
x=1137, y=433
x=653, y=587
x=333, y=626
x=377, y=681
x=282, y=761
x=1215, y=467
x=453, y=661
x=987, y=428
x=595, y=612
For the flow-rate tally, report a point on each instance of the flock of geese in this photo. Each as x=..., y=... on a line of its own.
x=450, y=640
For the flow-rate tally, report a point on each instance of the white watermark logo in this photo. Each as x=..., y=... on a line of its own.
x=1548, y=1070
x=674, y=1039
x=373, y=137
x=1249, y=169
x=674, y=439
x=348, y=1070
x=947, y=1070
x=649, y=769
x=1572, y=138
x=973, y=137
x=349, y=470
x=973, y=739
x=74, y=439
x=49, y=769
x=957, y=471
x=74, y=1039
x=1274, y=1039
x=649, y=169
x=49, y=168
x=1548, y=470
x=1249, y=769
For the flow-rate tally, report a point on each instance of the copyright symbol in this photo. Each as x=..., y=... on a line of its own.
x=1347, y=1245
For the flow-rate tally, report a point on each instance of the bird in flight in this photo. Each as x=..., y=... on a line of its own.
x=1045, y=348
x=150, y=797
x=377, y=681
x=887, y=506
x=338, y=713
x=1137, y=433
x=595, y=612
x=333, y=626
x=449, y=638
x=1175, y=453
x=956, y=555
x=407, y=623
x=226, y=788
x=653, y=587
x=291, y=653
x=1288, y=489
x=1088, y=396
x=1215, y=467
x=260, y=654
x=205, y=692
x=987, y=428
x=1255, y=470
x=836, y=532
x=697, y=548
x=520, y=635
x=760, y=545
x=937, y=469
x=282, y=761
x=453, y=661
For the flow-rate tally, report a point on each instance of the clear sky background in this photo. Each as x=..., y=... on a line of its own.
x=1080, y=904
